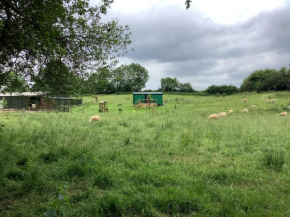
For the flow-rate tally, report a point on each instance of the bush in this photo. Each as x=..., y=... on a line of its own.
x=221, y=90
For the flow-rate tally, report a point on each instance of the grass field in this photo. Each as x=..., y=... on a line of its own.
x=173, y=163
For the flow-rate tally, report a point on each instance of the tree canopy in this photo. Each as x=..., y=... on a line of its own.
x=172, y=84
x=267, y=79
x=35, y=33
x=169, y=84
x=222, y=89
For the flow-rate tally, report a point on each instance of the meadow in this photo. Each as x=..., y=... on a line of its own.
x=175, y=162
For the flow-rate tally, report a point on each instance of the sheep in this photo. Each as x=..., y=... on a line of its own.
x=283, y=114
x=245, y=110
x=288, y=101
x=253, y=106
x=231, y=111
x=213, y=116
x=95, y=118
x=268, y=100
x=222, y=114
x=244, y=101
x=273, y=101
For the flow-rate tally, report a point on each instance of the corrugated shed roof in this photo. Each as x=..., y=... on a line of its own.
x=22, y=94
x=147, y=92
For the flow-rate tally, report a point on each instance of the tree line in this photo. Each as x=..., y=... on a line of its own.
x=56, y=79
x=267, y=80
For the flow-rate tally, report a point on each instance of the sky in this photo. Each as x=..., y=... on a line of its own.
x=214, y=42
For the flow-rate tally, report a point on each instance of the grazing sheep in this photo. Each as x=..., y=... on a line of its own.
x=268, y=100
x=244, y=101
x=273, y=101
x=213, y=116
x=222, y=114
x=253, y=106
x=288, y=101
x=245, y=110
x=231, y=111
x=95, y=118
x=283, y=114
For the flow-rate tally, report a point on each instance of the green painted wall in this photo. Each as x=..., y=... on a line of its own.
x=158, y=97
x=137, y=97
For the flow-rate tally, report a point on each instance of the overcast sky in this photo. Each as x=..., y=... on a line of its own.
x=214, y=42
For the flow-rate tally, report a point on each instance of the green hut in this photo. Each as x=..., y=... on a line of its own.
x=148, y=98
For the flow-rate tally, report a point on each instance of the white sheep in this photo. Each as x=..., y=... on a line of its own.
x=253, y=106
x=244, y=101
x=288, y=101
x=95, y=118
x=222, y=114
x=213, y=116
x=231, y=111
x=283, y=114
x=245, y=110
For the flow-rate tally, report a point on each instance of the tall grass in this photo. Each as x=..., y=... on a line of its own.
x=173, y=163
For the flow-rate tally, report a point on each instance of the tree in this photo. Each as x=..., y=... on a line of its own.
x=14, y=83
x=100, y=82
x=267, y=79
x=34, y=33
x=56, y=79
x=222, y=89
x=128, y=78
x=185, y=87
x=169, y=84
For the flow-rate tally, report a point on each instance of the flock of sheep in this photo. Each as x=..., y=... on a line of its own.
x=221, y=114
x=265, y=97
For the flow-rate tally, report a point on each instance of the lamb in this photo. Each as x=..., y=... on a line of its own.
x=253, y=106
x=231, y=111
x=213, y=116
x=222, y=114
x=95, y=118
x=244, y=100
x=245, y=110
x=283, y=114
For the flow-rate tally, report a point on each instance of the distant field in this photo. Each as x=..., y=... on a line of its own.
x=172, y=163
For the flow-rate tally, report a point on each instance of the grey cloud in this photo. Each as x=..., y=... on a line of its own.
x=197, y=48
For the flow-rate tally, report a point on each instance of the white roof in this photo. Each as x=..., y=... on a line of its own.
x=147, y=92
x=22, y=94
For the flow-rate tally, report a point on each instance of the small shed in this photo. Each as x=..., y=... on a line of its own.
x=148, y=98
x=26, y=99
x=103, y=106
